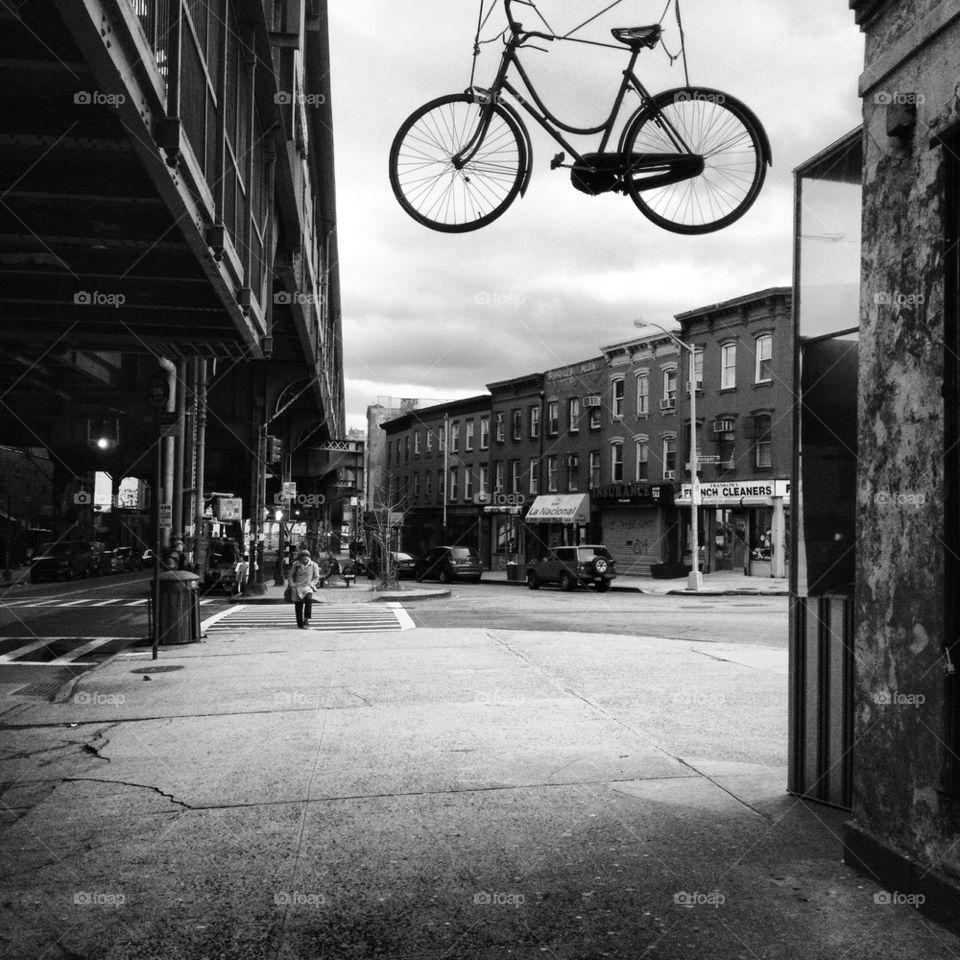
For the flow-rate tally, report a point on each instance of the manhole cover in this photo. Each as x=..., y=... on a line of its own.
x=46, y=688
x=165, y=669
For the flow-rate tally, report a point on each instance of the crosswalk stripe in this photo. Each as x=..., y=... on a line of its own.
x=82, y=650
x=27, y=648
x=324, y=619
x=105, y=603
x=136, y=603
x=76, y=603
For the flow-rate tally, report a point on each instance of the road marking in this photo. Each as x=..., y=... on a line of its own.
x=76, y=603
x=360, y=618
x=27, y=648
x=136, y=603
x=71, y=657
x=104, y=603
x=82, y=650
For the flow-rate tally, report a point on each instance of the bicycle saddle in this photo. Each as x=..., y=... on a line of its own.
x=638, y=37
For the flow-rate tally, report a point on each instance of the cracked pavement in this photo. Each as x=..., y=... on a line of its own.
x=432, y=794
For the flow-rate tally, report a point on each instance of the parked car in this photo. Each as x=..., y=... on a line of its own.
x=448, y=564
x=147, y=559
x=65, y=560
x=587, y=564
x=124, y=559
x=402, y=563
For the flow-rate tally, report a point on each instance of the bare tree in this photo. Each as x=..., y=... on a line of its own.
x=386, y=509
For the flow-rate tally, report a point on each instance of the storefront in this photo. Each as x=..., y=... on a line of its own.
x=637, y=524
x=555, y=520
x=743, y=526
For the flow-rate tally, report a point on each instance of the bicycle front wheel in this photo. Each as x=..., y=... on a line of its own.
x=440, y=190
x=707, y=124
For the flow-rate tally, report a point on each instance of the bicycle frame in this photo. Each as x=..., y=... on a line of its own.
x=544, y=117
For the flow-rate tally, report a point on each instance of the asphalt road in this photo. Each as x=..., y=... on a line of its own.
x=752, y=620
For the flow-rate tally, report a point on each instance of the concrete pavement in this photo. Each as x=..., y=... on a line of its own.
x=428, y=794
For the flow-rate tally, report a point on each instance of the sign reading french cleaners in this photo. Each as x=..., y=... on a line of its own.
x=737, y=493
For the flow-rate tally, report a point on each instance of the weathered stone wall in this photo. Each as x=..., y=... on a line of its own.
x=913, y=52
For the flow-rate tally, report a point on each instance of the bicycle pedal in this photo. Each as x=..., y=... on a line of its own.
x=557, y=161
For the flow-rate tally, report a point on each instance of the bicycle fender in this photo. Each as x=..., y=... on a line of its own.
x=668, y=95
x=527, y=142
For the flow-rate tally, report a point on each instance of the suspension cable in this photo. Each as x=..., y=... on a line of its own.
x=683, y=43
x=591, y=19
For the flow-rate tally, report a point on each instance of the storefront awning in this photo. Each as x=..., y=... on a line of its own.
x=560, y=508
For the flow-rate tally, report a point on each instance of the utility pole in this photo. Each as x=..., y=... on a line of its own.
x=695, y=579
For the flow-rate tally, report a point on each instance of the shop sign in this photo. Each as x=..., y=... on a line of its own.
x=229, y=508
x=737, y=492
x=633, y=492
x=561, y=508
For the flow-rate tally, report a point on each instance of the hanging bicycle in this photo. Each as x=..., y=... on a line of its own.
x=692, y=159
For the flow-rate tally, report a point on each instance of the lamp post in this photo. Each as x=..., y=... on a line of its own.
x=695, y=579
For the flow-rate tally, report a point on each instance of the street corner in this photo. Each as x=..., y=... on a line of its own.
x=404, y=596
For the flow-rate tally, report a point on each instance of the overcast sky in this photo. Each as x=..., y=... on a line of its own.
x=566, y=272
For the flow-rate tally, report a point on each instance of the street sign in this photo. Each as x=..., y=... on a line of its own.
x=159, y=391
x=289, y=490
x=396, y=518
x=166, y=514
x=229, y=508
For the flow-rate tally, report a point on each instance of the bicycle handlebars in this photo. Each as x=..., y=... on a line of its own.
x=517, y=28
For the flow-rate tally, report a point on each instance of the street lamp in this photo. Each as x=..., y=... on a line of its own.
x=695, y=579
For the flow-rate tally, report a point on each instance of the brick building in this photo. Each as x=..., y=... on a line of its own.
x=743, y=373
x=634, y=489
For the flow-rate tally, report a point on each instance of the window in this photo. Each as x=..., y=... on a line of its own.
x=416, y=486
x=697, y=360
x=534, y=475
x=535, y=422
x=573, y=473
x=516, y=417
x=669, y=401
x=427, y=485
x=553, y=418
x=643, y=394
x=468, y=436
x=498, y=477
x=389, y=452
x=442, y=438
x=616, y=399
x=514, y=476
x=595, y=418
x=440, y=486
x=669, y=458
x=452, y=489
x=429, y=439
x=616, y=461
x=406, y=448
x=468, y=482
x=764, y=358
x=500, y=427
x=643, y=459
x=454, y=437
x=594, y=468
x=763, y=445
x=484, y=433
x=728, y=366
x=573, y=414
x=416, y=442
x=484, y=479
x=552, y=474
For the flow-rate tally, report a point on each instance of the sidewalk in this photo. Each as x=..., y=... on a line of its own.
x=429, y=795
x=720, y=582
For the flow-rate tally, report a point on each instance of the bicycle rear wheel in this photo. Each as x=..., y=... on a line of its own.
x=714, y=126
x=437, y=192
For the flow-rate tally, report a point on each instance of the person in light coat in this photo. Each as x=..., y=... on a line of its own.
x=302, y=580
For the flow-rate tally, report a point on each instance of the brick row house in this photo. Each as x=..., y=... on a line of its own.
x=598, y=451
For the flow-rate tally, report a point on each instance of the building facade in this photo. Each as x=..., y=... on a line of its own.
x=638, y=472
x=743, y=376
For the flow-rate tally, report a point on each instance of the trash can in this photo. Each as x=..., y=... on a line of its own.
x=178, y=610
x=513, y=571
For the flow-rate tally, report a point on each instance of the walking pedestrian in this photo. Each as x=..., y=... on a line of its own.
x=241, y=573
x=302, y=581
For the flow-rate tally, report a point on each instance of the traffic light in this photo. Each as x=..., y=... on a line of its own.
x=274, y=449
x=103, y=433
